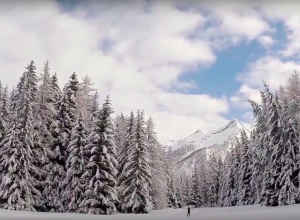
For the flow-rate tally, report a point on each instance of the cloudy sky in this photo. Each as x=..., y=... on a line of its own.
x=190, y=65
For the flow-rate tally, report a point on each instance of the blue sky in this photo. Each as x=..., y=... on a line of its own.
x=221, y=77
x=141, y=57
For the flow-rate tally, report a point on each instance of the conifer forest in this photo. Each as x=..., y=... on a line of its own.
x=64, y=150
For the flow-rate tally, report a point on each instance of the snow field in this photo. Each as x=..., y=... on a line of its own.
x=291, y=212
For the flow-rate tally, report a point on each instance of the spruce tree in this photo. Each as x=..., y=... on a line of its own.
x=128, y=138
x=214, y=175
x=74, y=183
x=288, y=180
x=203, y=176
x=101, y=195
x=44, y=116
x=18, y=186
x=57, y=94
x=5, y=108
x=61, y=133
x=269, y=196
x=230, y=188
x=136, y=194
x=293, y=94
x=120, y=126
x=60, y=130
x=158, y=186
x=258, y=141
x=71, y=91
x=196, y=199
x=256, y=167
x=244, y=188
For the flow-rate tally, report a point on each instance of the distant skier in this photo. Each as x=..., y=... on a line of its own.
x=189, y=211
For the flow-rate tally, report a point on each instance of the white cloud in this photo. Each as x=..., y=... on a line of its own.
x=135, y=51
x=266, y=41
x=146, y=55
x=273, y=69
x=269, y=69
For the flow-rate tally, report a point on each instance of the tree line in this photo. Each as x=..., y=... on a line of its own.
x=258, y=168
x=60, y=151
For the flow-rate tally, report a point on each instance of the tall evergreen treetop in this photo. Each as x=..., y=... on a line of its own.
x=18, y=186
x=101, y=168
x=136, y=194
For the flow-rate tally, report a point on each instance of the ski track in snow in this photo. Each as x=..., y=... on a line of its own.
x=291, y=212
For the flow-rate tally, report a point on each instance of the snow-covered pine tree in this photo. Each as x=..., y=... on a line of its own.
x=196, y=199
x=257, y=148
x=244, y=188
x=71, y=91
x=292, y=90
x=57, y=94
x=187, y=191
x=94, y=110
x=33, y=80
x=123, y=156
x=169, y=173
x=12, y=100
x=271, y=158
x=136, y=195
x=230, y=188
x=288, y=180
x=4, y=109
x=159, y=182
x=237, y=153
x=121, y=126
x=172, y=199
x=282, y=95
x=61, y=133
x=43, y=117
x=46, y=105
x=203, y=176
x=74, y=184
x=101, y=195
x=18, y=185
x=256, y=168
x=214, y=175
x=222, y=166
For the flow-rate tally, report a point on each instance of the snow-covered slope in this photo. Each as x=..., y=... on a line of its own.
x=185, y=150
x=291, y=212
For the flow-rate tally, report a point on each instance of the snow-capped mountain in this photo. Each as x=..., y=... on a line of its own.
x=185, y=150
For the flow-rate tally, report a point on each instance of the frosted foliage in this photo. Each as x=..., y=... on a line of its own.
x=101, y=171
x=244, y=188
x=137, y=175
x=214, y=176
x=56, y=167
x=18, y=185
x=269, y=195
x=74, y=183
x=159, y=181
x=292, y=91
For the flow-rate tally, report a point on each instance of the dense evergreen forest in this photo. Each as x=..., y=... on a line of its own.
x=60, y=151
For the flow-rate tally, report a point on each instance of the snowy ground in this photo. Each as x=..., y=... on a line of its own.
x=232, y=213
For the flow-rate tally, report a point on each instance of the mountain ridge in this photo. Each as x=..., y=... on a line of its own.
x=186, y=149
